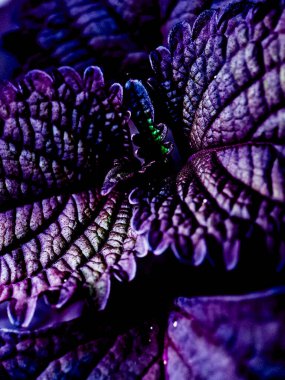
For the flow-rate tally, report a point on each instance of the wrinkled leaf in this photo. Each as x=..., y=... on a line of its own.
x=67, y=166
x=223, y=81
x=79, y=350
x=113, y=34
x=83, y=33
x=232, y=337
x=59, y=136
x=236, y=337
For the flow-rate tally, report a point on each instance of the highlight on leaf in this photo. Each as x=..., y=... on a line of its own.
x=206, y=337
x=223, y=82
x=240, y=337
x=59, y=136
x=78, y=204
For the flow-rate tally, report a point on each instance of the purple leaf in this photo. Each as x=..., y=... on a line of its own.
x=59, y=137
x=76, y=349
x=109, y=33
x=174, y=12
x=237, y=337
x=223, y=82
x=83, y=33
x=231, y=337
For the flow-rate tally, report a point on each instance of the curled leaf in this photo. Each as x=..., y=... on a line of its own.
x=227, y=203
x=241, y=337
x=107, y=33
x=59, y=137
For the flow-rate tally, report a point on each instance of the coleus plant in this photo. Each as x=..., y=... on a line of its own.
x=96, y=175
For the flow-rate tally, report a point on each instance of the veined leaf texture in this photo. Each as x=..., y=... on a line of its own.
x=222, y=81
x=57, y=231
x=177, y=150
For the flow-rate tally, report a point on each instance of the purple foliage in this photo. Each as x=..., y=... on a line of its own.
x=239, y=337
x=60, y=233
x=108, y=33
x=223, y=85
x=71, y=351
x=94, y=176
